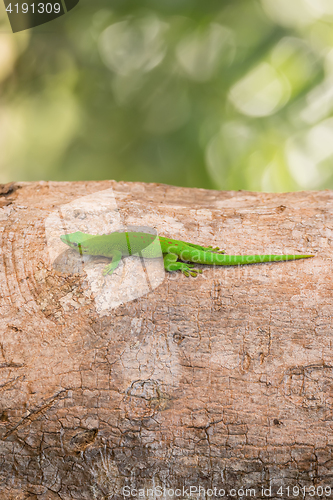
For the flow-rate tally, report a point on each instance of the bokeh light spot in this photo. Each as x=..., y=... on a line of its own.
x=289, y=13
x=260, y=92
x=201, y=52
x=310, y=155
x=129, y=46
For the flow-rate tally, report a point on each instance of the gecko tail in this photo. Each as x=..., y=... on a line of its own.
x=200, y=257
x=258, y=259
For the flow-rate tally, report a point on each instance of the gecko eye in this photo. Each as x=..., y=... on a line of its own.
x=75, y=244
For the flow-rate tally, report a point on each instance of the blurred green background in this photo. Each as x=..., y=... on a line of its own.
x=225, y=94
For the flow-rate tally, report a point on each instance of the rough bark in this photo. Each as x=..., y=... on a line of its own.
x=224, y=381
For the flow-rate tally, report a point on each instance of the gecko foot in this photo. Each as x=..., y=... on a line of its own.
x=215, y=250
x=187, y=270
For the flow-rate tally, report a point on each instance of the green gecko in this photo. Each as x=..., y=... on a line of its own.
x=117, y=245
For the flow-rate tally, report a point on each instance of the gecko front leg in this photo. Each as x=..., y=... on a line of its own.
x=116, y=258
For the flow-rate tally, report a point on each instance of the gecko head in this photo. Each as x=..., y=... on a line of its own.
x=76, y=240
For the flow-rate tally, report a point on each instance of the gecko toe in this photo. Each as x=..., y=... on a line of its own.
x=193, y=272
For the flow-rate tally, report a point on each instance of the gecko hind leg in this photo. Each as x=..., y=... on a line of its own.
x=206, y=249
x=171, y=264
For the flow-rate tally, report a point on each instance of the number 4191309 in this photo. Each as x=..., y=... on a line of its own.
x=41, y=8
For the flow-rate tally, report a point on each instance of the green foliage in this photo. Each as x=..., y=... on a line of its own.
x=215, y=94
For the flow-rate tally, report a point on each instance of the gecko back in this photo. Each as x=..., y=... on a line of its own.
x=128, y=243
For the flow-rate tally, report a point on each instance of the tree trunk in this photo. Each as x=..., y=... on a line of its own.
x=145, y=380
